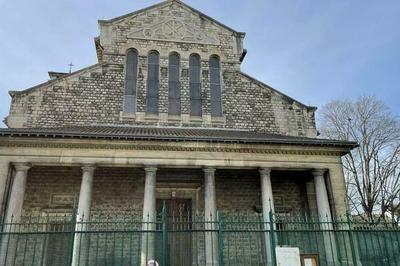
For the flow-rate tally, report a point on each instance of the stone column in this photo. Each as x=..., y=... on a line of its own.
x=210, y=213
x=324, y=209
x=14, y=207
x=83, y=215
x=341, y=207
x=85, y=194
x=4, y=174
x=325, y=216
x=149, y=216
x=13, y=212
x=267, y=201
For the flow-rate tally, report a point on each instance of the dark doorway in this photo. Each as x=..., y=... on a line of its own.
x=179, y=220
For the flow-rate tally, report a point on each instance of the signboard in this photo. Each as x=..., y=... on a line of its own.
x=287, y=256
x=309, y=260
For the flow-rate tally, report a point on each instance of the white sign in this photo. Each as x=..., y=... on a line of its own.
x=287, y=256
x=308, y=262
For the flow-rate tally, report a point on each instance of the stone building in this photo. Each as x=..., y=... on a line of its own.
x=165, y=115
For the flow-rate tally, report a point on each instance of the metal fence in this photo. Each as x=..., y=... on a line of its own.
x=191, y=240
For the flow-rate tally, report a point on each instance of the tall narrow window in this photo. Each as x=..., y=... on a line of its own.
x=215, y=86
x=174, y=94
x=195, y=85
x=153, y=83
x=130, y=81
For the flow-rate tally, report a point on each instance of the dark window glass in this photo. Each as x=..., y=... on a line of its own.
x=130, y=81
x=174, y=95
x=215, y=86
x=195, y=85
x=153, y=82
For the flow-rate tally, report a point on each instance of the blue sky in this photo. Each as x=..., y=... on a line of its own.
x=314, y=51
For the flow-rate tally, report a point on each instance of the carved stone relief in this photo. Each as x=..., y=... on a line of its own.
x=171, y=24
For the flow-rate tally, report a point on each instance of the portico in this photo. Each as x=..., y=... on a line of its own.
x=230, y=178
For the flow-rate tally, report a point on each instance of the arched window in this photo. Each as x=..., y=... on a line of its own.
x=174, y=94
x=130, y=81
x=195, y=85
x=215, y=86
x=152, y=82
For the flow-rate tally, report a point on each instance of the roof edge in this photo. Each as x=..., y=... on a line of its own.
x=49, y=82
x=108, y=21
x=278, y=91
x=61, y=133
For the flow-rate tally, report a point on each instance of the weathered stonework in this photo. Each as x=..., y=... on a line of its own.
x=95, y=95
x=125, y=175
x=118, y=192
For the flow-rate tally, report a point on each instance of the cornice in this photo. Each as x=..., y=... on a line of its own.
x=256, y=149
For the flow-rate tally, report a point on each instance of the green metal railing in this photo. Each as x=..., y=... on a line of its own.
x=192, y=240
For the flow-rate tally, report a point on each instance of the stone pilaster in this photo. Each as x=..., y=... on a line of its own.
x=338, y=185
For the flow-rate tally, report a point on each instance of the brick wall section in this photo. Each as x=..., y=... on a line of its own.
x=238, y=191
x=116, y=191
x=98, y=99
x=118, y=194
x=95, y=95
x=289, y=189
x=119, y=191
x=43, y=182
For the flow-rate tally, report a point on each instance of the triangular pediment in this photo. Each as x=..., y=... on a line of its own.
x=173, y=21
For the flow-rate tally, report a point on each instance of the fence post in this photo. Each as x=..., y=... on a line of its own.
x=164, y=235
x=220, y=243
x=72, y=235
x=272, y=237
x=353, y=252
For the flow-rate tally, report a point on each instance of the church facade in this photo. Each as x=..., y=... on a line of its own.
x=167, y=118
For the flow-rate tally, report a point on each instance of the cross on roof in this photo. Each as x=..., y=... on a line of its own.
x=70, y=67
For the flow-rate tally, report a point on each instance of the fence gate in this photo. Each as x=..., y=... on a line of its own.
x=176, y=215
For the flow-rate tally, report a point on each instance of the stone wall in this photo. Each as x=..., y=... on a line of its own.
x=118, y=192
x=238, y=192
x=118, y=198
x=290, y=192
x=96, y=98
x=95, y=95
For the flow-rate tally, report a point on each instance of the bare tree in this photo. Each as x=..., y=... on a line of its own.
x=372, y=169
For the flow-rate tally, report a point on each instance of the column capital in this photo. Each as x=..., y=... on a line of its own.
x=209, y=170
x=264, y=171
x=22, y=166
x=318, y=172
x=150, y=168
x=88, y=167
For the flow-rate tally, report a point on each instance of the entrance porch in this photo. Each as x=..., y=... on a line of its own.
x=129, y=215
x=94, y=201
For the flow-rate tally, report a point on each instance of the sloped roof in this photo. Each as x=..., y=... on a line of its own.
x=170, y=134
x=262, y=84
x=52, y=81
x=167, y=2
